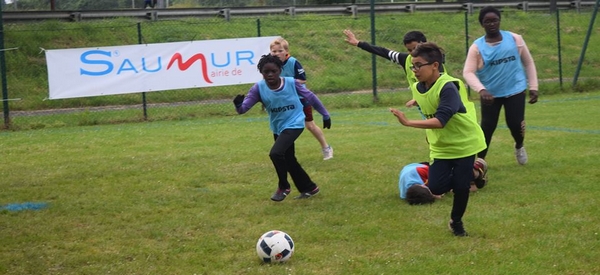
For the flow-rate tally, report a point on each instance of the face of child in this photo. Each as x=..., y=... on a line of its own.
x=411, y=46
x=270, y=73
x=491, y=23
x=279, y=51
x=424, y=71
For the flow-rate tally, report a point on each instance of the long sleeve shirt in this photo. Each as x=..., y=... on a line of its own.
x=253, y=97
x=474, y=62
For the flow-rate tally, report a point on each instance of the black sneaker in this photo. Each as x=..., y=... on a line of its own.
x=280, y=194
x=480, y=182
x=481, y=166
x=457, y=229
x=307, y=195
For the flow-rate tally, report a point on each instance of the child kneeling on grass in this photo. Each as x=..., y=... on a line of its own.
x=413, y=183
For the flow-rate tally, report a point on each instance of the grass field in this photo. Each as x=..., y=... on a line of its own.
x=317, y=41
x=192, y=197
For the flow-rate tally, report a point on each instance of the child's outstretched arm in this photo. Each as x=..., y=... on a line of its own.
x=315, y=102
x=244, y=103
x=394, y=56
x=431, y=123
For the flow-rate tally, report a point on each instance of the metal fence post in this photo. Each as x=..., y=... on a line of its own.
x=291, y=11
x=467, y=41
x=3, y=72
x=577, y=5
x=560, y=77
x=226, y=13
x=373, y=56
x=468, y=7
x=258, y=27
x=354, y=10
x=525, y=6
x=585, y=43
x=144, y=104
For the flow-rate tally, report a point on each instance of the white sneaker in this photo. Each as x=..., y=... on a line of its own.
x=327, y=153
x=521, y=155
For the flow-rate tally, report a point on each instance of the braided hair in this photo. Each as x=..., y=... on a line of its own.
x=267, y=58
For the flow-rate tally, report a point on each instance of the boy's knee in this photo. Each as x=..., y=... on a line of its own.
x=276, y=155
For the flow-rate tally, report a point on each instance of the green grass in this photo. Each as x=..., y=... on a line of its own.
x=317, y=41
x=192, y=197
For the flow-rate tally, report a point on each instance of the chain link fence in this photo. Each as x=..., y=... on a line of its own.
x=339, y=73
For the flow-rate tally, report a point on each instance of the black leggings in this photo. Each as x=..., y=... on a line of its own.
x=283, y=156
x=455, y=175
x=514, y=113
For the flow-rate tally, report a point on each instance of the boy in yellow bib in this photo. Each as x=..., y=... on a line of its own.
x=450, y=123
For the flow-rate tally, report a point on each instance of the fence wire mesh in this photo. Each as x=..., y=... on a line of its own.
x=338, y=72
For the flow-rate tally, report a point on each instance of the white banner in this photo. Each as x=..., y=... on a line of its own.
x=154, y=67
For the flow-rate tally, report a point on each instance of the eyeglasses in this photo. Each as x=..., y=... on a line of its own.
x=491, y=22
x=417, y=67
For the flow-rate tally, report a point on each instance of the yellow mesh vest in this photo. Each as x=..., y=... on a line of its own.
x=410, y=75
x=461, y=136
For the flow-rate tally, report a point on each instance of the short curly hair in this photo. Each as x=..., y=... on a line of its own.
x=267, y=58
x=416, y=194
x=487, y=10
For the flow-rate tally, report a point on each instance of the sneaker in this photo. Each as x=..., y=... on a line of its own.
x=481, y=166
x=521, y=155
x=280, y=194
x=457, y=229
x=307, y=195
x=327, y=153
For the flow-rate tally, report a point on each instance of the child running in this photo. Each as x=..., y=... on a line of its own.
x=293, y=68
x=281, y=98
x=451, y=127
x=499, y=67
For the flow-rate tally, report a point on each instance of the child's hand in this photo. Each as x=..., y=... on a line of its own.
x=350, y=38
x=485, y=97
x=238, y=100
x=400, y=115
x=533, y=96
x=327, y=123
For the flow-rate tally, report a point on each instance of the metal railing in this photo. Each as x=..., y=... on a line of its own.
x=227, y=13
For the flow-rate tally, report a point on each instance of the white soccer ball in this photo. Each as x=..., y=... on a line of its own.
x=275, y=247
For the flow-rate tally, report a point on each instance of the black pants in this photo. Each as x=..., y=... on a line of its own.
x=455, y=175
x=283, y=156
x=514, y=113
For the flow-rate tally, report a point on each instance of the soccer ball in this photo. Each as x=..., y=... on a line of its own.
x=275, y=246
